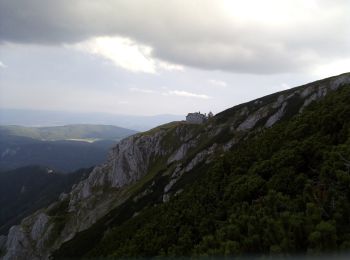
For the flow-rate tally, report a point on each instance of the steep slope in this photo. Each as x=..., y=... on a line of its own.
x=150, y=168
x=285, y=191
x=25, y=190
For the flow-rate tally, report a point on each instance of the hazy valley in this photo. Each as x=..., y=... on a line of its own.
x=62, y=148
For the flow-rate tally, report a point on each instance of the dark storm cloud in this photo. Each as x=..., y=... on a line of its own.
x=201, y=34
x=37, y=21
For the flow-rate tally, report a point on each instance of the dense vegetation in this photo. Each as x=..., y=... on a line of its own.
x=65, y=156
x=64, y=148
x=24, y=190
x=284, y=190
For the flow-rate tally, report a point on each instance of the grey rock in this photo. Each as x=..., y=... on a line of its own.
x=182, y=151
x=338, y=81
x=200, y=157
x=250, y=122
x=308, y=101
x=227, y=146
x=280, y=100
x=39, y=226
x=306, y=92
x=276, y=117
x=178, y=192
x=245, y=111
x=178, y=171
x=17, y=245
x=166, y=198
x=128, y=161
x=143, y=194
x=169, y=185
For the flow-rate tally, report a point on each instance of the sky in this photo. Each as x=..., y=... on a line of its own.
x=165, y=57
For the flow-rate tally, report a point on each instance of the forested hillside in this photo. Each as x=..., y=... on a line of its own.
x=24, y=190
x=63, y=148
x=64, y=156
x=284, y=190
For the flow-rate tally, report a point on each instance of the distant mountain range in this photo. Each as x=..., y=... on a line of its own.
x=53, y=118
x=85, y=132
x=63, y=148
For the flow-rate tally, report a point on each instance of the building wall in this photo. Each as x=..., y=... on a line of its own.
x=195, y=118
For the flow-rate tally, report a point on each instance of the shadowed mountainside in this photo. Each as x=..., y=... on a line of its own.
x=64, y=148
x=24, y=190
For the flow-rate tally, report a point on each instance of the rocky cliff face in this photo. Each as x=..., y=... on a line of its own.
x=44, y=231
x=171, y=151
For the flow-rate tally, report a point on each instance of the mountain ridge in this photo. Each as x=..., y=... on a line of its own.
x=155, y=162
x=63, y=148
x=68, y=132
x=55, y=118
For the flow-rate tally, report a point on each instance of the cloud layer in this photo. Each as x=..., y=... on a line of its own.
x=176, y=93
x=125, y=53
x=260, y=37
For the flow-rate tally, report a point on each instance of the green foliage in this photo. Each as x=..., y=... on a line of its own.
x=64, y=148
x=283, y=191
x=25, y=190
x=63, y=155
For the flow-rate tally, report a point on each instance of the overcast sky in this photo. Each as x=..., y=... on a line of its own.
x=156, y=57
